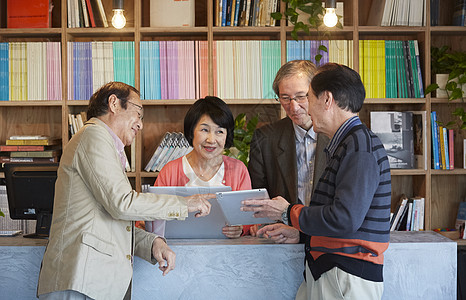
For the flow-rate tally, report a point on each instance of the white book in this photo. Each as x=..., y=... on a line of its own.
x=172, y=13
x=404, y=201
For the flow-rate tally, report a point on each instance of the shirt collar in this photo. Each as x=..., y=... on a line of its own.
x=301, y=133
x=118, y=143
x=341, y=133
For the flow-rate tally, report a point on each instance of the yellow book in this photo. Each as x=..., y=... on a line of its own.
x=442, y=148
x=44, y=142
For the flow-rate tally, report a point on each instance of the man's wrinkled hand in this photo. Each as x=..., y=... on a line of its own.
x=199, y=203
x=266, y=208
x=280, y=233
x=164, y=255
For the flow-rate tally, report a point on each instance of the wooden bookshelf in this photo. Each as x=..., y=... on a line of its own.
x=443, y=190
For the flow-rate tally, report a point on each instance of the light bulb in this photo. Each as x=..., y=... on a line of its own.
x=118, y=20
x=330, y=18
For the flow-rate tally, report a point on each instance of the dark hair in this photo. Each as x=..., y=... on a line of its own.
x=217, y=110
x=292, y=68
x=98, y=104
x=344, y=83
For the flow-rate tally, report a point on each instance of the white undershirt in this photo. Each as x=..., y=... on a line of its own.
x=194, y=180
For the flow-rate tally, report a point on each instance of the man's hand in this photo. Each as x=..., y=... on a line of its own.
x=266, y=208
x=280, y=233
x=199, y=203
x=164, y=255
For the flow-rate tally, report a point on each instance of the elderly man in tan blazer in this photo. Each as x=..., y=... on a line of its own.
x=92, y=237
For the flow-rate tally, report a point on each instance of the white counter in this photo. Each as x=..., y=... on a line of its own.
x=418, y=265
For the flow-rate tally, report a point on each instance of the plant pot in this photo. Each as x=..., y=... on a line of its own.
x=441, y=80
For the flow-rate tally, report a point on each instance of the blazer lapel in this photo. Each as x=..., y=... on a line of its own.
x=287, y=154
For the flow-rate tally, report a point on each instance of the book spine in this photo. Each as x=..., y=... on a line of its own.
x=451, y=147
x=445, y=145
x=442, y=147
x=435, y=147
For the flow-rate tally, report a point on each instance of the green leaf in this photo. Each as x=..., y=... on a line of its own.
x=1, y=213
x=323, y=48
x=456, y=94
x=276, y=16
x=294, y=34
x=318, y=57
x=431, y=88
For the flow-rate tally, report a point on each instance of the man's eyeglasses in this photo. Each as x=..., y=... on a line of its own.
x=140, y=110
x=297, y=98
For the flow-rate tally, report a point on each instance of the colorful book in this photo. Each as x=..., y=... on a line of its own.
x=435, y=141
x=28, y=14
x=451, y=148
x=9, y=148
x=44, y=142
x=45, y=153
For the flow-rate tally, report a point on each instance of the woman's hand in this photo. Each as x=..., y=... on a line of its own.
x=232, y=232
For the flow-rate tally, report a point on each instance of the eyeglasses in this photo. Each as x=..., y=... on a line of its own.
x=297, y=98
x=140, y=110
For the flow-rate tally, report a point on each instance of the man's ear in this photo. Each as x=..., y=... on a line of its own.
x=328, y=99
x=113, y=103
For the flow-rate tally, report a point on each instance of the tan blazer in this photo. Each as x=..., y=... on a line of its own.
x=92, y=238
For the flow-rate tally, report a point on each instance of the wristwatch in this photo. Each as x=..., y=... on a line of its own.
x=285, y=216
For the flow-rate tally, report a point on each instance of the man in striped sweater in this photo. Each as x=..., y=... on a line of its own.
x=346, y=225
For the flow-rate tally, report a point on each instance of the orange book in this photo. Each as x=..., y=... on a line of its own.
x=28, y=14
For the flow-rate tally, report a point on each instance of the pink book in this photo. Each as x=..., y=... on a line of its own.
x=196, y=59
x=191, y=91
x=451, y=143
x=163, y=69
x=214, y=54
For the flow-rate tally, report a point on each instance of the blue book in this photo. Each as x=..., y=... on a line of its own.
x=156, y=84
x=445, y=145
x=224, y=12
x=142, y=69
x=435, y=140
x=4, y=72
x=237, y=9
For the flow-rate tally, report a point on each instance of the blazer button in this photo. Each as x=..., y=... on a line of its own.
x=128, y=228
x=128, y=257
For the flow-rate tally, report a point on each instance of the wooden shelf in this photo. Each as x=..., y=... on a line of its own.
x=442, y=189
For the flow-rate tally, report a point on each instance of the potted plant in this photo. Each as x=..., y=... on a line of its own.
x=451, y=66
x=244, y=130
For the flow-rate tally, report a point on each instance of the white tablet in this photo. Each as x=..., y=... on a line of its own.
x=208, y=227
x=230, y=203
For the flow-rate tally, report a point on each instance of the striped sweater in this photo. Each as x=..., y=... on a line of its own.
x=347, y=223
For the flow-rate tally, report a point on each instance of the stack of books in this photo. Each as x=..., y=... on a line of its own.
x=174, y=145
x=86, y=13
x=31, y=148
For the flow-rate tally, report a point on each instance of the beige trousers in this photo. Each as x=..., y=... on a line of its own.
x=338, y=284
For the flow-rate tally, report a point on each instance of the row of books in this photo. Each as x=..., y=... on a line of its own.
x=338, y=51
x=391, y=69
x=245, y=12
x=86, y=13
x=76, y=122
x=30, y=71
x=173, y=145
x=404, y=13
x=92, y=64
x=403, y=135
x=30, y=148
x=408, y=215
x=443, y=145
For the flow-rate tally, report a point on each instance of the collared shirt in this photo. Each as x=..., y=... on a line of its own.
x=119, y=146
x=305, y=154
x=341, y=133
